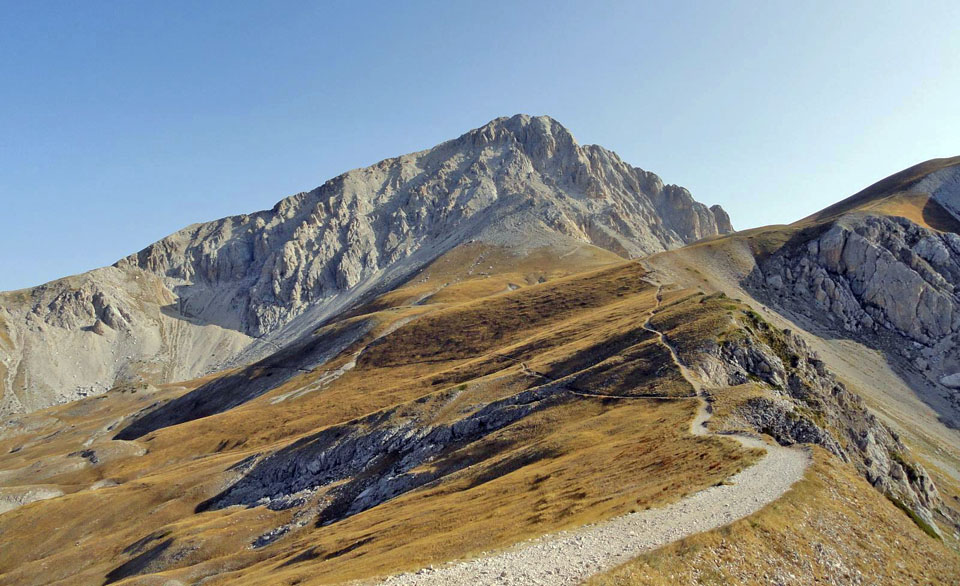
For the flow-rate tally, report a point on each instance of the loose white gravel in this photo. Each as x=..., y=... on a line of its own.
x=570, y=557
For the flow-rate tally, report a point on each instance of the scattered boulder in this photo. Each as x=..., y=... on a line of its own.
x=951, y=381
x=99, y=327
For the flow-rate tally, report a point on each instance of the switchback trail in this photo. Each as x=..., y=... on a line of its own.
x=569, y=557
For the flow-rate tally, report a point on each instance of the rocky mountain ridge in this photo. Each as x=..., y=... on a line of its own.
x=526, y=374
x=506, y=182
x=885, y=280
x=243, y=286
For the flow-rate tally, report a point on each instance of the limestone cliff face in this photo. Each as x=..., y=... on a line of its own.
x=518, y=180
x=876, y=272
x=885, y=280
x=78, y=336
x=250, y=283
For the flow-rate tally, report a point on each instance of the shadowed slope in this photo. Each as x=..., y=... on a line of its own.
x=230, y=390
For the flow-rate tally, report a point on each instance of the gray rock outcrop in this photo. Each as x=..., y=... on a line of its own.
x=876, y=272
x=885, y=281
x=809, y=405
x=517, y=181
x=376, y=458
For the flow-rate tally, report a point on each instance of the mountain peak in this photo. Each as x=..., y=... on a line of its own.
x=519, y=123
x=539, y=136
x=519, y=184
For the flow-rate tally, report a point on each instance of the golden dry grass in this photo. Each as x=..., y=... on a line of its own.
x=582, y=460
x=471, y=271
x=558, y=469
x=919, y=208
x=726, y=402
x=895, y=184
x=471, y=328
x=591, y=459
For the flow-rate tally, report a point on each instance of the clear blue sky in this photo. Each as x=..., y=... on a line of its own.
x=122, y=122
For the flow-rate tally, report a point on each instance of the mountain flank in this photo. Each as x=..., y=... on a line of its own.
x=509, y=356
x=227, y=292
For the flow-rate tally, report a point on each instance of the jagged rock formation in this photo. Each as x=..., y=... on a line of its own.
x=244, y=285
x=516, y=180
x=380, y=457
x=884, y=280
x=876, y=272
x=809, y=405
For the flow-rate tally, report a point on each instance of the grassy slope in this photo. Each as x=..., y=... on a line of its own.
x=832, y=527
x=580, y=461
x=887, y=196
x=577, y=462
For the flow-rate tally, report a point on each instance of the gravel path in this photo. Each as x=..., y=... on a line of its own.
x=569, y=557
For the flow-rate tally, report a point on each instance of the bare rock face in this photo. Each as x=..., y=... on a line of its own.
x=516, y=180
x=874, y=272
x=82, y=335
x=809, y=405
x=228, y=291
x=871, y=274
x=885, y=281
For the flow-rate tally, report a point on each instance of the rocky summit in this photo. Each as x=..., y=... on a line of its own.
x=508, y=359
x=225, y=292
